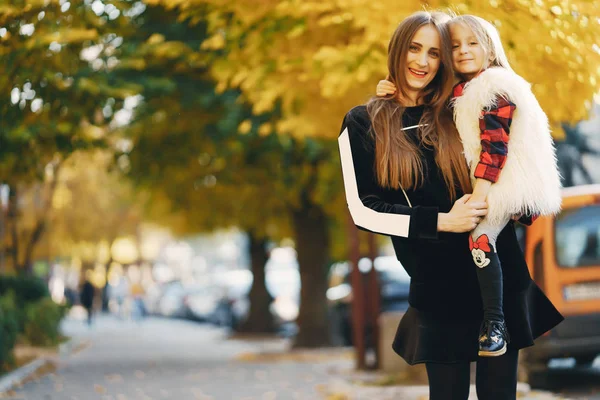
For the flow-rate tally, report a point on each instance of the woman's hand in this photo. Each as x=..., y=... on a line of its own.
x=463, y=217
x=385, y=88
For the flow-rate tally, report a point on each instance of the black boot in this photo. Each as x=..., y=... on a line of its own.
x=493, y=338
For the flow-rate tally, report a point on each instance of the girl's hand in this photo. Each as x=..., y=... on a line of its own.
x=463, y=217
x=385, y=88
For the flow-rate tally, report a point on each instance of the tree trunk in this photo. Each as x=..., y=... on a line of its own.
x=36, y=235
x=13, y=217
x=104, y=293
x=41, y=223
x=3, y=223
x=260, y=319
x=312, y=245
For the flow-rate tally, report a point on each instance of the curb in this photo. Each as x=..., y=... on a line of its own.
x=343, y=389
x=14, y=378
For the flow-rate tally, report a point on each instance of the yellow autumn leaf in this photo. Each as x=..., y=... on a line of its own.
x=215, y=42
x=245, y=127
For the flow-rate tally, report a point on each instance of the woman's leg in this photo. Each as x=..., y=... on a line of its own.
x=496, y=377
x=448, y=381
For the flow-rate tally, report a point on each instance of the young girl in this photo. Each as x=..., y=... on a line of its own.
x=517, y=176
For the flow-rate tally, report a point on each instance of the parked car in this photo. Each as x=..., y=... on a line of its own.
x=171, y=303
x=394, y=284
x=201, y=301
x=173, y=299
x=563, y=255
x=154, y=294
x=232, y=305
x=282, y=280
x=283, y=283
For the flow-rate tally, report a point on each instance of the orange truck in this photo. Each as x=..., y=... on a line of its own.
x=563, y=255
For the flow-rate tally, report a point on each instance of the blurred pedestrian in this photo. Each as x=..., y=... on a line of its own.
x=137, y=294
x=88, y=292
x=405, y=176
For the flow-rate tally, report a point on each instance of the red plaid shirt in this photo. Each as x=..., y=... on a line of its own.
x=495, y=128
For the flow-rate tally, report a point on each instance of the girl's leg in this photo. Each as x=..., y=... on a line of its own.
x=489, y=274
x=482, y=244
x=449, y=381
x=496, y=377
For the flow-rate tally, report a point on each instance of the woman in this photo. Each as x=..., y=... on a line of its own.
x=405, y=176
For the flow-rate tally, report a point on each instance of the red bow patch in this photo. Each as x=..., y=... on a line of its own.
x=482, y=243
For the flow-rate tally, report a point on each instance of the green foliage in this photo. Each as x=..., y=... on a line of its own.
x=26, y=289
x=9, y=329
x=54, y=96
x=43, y=322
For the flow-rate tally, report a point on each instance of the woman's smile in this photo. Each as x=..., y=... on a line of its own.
x=417, y=73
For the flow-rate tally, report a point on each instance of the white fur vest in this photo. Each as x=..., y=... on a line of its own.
x=529, y=181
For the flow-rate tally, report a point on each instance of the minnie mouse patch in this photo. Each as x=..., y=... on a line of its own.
x=478, y=249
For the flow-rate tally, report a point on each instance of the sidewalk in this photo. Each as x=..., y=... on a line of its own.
x=181, y=360
x=345, y=383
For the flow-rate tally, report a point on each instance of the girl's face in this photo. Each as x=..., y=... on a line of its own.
x=468, y=56
x=423, y=58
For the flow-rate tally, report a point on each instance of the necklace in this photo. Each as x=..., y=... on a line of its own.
x=414, y=126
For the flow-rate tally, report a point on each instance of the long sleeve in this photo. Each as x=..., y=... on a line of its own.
x=495, y=128
x=364, y=196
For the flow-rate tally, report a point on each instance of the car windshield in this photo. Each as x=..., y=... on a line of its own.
x=577, y=237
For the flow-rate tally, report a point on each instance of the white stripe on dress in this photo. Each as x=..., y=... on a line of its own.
x=386, y=223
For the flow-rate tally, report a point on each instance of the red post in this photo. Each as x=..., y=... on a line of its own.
x=358, y=301
x=373, y=299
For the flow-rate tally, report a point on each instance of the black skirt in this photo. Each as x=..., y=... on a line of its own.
x=428, y=336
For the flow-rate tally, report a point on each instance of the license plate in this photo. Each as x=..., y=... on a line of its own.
x=582, y=291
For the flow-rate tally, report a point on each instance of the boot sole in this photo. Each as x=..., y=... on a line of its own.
x=493, y=353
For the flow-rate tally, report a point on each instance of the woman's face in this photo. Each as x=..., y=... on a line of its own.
x=423, y=59
x=468, y=56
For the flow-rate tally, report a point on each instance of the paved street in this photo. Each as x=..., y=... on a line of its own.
x=170, y=359
x=160, y=359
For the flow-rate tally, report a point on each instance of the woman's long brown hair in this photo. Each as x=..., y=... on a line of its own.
x=397, y=158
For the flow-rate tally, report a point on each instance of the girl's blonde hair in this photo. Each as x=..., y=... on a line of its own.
x=487, y=35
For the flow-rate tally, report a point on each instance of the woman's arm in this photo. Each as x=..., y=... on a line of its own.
x=364, y=196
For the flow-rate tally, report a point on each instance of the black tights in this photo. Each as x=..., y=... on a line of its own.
x=496, y=378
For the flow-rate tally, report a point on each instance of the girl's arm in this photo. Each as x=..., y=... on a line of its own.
x=495, y=129
x=384, y=88
x=481, y=190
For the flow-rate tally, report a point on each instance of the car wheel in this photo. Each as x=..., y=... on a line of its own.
x=225, y=318
x=533, y=370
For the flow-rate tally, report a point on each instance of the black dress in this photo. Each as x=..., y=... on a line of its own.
x=442, y=322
